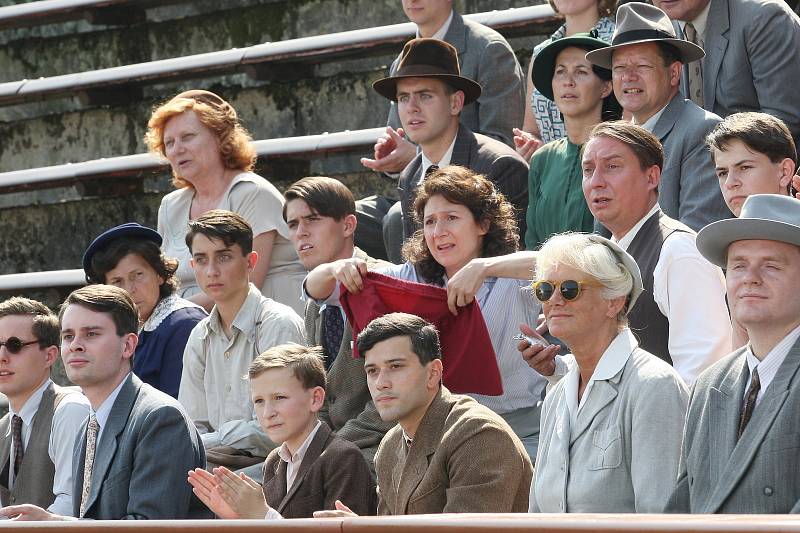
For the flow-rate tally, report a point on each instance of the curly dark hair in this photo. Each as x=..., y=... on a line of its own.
x=474, y=191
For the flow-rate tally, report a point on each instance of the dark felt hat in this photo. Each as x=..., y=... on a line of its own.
x=637, y=23
x=130, y=229
x=429, y=58
x=544, y=65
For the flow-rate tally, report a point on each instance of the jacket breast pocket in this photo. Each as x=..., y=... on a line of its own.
x=606, y=450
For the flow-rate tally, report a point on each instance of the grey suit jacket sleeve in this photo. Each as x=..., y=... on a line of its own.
x=163, y=452
x=773, y=41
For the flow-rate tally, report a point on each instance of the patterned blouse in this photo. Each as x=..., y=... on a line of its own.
x=548, y=117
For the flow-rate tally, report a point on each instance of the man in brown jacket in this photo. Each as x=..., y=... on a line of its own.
x=448, y=453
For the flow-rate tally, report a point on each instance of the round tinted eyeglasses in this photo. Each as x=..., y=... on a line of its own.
x=15, y=345
x=569, y=289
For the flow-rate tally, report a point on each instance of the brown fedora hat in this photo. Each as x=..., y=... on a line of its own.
x=637, y=23
x=429, y=58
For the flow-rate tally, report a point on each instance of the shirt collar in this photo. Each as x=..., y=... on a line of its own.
x=104, y=410
x=245, y=318
x=650, y=123
x=699, y=22
x=442, y=31
x=406, y=439
x=768, y=367
x=286, y=455
x=443, y=162
x=31, y=406
x=626, y=240
x=164, y=308
x=610, y=364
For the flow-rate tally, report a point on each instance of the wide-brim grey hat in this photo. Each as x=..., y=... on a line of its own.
x=629, y=263
x=638, y=23
x=770, y=217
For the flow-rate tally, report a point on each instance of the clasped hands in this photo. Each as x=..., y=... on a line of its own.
x=227, y=494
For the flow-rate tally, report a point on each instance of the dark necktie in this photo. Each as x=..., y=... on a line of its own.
x=332, y=333
x=430, y=170
x=749, y=401
x=16, y=438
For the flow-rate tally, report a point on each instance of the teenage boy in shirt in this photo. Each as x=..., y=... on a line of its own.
x=312, y=468
x=242, y=324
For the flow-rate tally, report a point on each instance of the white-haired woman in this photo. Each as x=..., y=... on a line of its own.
x=611, y=429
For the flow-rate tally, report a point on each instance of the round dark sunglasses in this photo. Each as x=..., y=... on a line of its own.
x=15, y=345
x=569, y=289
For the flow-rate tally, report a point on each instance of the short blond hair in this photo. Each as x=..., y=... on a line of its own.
x=305, y=362
x=581, y=252
x=235, y=143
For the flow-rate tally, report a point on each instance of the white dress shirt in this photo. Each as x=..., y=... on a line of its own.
x=700, y=22
x=690, y=292
x=442, y=31
x=68, y=417
x=443, y=162
x=769, y=365
x=650, y=123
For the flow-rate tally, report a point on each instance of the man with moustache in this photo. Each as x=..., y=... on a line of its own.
x=132, y=454
x=321, y=215
x=740, y=445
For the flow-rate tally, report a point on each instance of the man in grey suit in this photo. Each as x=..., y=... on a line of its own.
x=320, y=214
x=132, y=455
x=741, y=449
x=646, y=59
x=751, y=59
x=430, y=93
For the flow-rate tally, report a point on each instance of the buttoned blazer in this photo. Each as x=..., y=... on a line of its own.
x=759, y=473
x=622, y=454
x=486, y=57
x=499, y=163
x=348, y=407
x=146, y=447
x=332, y=469
x=751, y=61
x=464, y=459
x=689, y=189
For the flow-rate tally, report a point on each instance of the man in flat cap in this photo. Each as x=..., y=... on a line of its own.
x=645, y=58
x=741, y=449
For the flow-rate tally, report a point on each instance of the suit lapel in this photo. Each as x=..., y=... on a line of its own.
x=763, y=418
x=457, y=35
x=107, y=445
x=668, y=117
x=315, y=449
x=463, y=148
x=428, y=435
x=716, y=42
x=5, y=449
x=603, y=392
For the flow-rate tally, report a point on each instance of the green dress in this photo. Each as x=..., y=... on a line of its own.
x=556, y=203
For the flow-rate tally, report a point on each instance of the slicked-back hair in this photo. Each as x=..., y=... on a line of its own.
x=474, y=191
x=422, y=334
x=106, y=260
x=760, y=132
x=106, y=299
x=226, y=226
x=45, y=323
x=325, y=196
x=645, y=146
x=305, y=363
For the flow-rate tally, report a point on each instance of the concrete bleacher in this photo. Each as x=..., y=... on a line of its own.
x=72, y=166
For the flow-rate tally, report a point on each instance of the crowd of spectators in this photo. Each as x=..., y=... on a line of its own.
x=583, y=301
